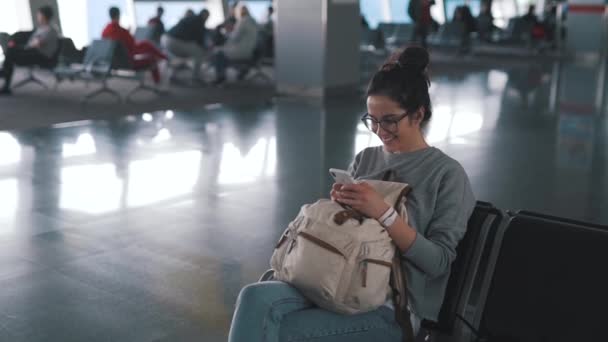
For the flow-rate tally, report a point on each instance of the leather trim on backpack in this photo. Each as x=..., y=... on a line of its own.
x=343, y=216
x=378, y=262
x=406, y=191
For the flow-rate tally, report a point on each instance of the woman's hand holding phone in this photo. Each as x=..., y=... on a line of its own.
x=335, y=189
x=357, y=195
x=361, y=197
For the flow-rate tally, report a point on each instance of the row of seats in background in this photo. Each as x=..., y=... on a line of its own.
x=103, y=60
x=516, y=39
x=525, y=276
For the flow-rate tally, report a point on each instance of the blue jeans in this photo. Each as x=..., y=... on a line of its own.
x=274, y=311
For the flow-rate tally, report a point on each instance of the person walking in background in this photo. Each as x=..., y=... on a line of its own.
x=535, y=27
x=485, y=22
x=268, y=26
x=420, y=12
x=531, y=17
x=267, y=34
x=142, y=54
x=157, y=25
x=38, y=50
x=550, y=23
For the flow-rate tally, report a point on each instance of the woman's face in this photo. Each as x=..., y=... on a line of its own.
x=397, y=135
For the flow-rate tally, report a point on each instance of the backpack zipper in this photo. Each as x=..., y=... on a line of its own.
x=364, y=268
x=321, y=243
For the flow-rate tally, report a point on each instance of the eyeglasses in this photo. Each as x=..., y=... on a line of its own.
x=388, y=122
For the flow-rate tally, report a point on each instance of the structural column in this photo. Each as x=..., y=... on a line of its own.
x=317, y=46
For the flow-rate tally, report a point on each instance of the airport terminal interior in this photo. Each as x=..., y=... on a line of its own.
x=139, y=216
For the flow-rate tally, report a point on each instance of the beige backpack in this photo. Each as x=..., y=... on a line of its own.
x=342, y=261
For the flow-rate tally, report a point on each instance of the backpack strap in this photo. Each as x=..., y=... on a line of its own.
x=398, y=283
x=389, y=175
x=402, y=195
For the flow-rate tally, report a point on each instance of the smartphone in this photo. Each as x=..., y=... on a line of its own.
x=341, y=176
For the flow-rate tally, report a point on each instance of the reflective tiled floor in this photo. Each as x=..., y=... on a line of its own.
x=145, y=228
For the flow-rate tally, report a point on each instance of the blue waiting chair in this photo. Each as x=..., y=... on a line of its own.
x=96, y=67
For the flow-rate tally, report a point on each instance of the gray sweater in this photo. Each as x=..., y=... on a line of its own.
x=49, y=40
x=439, y=206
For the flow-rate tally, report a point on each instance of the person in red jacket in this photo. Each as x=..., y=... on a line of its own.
x=143, y=54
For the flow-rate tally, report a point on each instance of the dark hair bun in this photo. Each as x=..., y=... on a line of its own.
x=414, y=58
x=404, y=79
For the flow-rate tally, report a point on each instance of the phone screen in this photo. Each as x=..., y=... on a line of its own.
x=341, y=176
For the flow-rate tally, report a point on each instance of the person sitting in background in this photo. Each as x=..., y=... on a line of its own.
x=39, y=50
x=232, y=13
x=188, y=39
x=485, y=22
x=221, y=32
x=157, y=25
x=142, y=54
x=462, y=15
x=470, y=24
x=371, y=38
x=364, y=23
x=366, y=33
x=240, y=45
